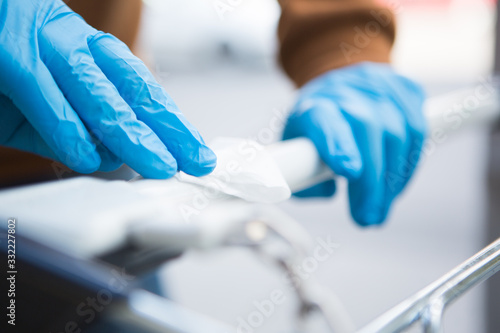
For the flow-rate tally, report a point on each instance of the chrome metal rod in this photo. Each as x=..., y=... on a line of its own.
x=428, y=304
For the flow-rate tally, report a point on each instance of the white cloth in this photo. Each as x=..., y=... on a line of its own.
x=244, y=170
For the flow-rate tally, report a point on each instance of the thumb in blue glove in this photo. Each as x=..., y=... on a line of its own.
x=367, y=124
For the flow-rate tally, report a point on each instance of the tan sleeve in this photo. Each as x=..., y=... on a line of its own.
x=319, y=35
x=120, y=18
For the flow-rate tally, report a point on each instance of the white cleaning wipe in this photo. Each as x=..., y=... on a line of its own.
x=245, y=170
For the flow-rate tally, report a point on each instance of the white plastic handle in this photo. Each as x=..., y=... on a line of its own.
x=302, y=167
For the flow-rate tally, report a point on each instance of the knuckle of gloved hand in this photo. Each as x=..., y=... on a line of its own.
x=82, y=164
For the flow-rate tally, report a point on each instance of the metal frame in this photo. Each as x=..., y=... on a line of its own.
x=427, y=306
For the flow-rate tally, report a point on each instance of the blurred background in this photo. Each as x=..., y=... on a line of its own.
x=222, y=72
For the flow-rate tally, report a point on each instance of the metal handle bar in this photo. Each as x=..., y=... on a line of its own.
x=428, y=305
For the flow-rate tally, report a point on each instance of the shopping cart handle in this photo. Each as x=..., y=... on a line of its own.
x=302, y=167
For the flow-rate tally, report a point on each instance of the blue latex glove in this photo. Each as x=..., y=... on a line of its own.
x=367, y=123
x=79, y=96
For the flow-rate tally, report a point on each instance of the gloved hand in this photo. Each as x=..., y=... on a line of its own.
x=367, y=123
x=79, y=96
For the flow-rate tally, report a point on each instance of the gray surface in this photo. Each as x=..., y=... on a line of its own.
x=493, y=228
x=437, y=223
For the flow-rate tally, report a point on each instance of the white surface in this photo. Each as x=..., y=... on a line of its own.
x=437, y=223
x=88, y=217
x=246, y=170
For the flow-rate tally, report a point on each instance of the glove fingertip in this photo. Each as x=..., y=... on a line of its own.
x=84, y=159
x=161, y=171
x=109, y=162
x=367, y=215
x=350, y=168
x=202, y=164
x=85, y=168
x=370, y=219
x=160, y=165
x=109, y=166
x=325, y=189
